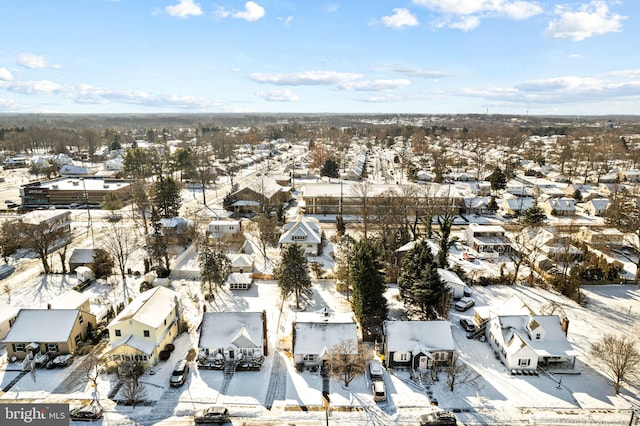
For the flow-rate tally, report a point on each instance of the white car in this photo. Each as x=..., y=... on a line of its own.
x=464, y=304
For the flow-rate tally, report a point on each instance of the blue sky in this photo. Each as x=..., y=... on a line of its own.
x=306, y=56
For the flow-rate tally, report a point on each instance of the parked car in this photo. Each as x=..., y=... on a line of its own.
x=469, y=256
x=464, y=304
x=214, y=414
x=467, y=324
x=375, y=369
x=378, y=390
x=438, y=418
x=179, y=375
x=92, y=411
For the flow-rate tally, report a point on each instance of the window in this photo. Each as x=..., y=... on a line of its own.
x=80, y=319
x=78, y=338
x=18, y=347
x=537, y=336
x=310, y=357
x=165, y=321
x=118, y=333
x=146, y=333
x=401, y=356
x=52, y=347
x=299, y=237
x=524, y=362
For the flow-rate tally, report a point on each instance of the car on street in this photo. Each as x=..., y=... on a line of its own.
x=378, y=390
x=179, y=375
x=463, y=304
x=467, y=324
x=213, y=414
x=89, y=412
x=438, y=418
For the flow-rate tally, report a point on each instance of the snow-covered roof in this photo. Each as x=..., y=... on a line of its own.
x=316, y=337
x=28, y=326
x=70, y=299
x=174, y=222
x=402, y=336
x=554, y=342
x=411, y=244
x=82, y=255
x=450, y=277
x=240, y=278
x=301, y=232
x=150, y=307
x=218, y=329
x=241, y=260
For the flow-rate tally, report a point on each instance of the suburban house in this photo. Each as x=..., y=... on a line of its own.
x=219, y=229
x=559, y=207
x=549, y=243
x=175, y=230
x=596, y=206
x=236, y=339
x=515, y=206
x=8, y=315
x=457, y=287
x=49, y=221
x=487, y=240
x=239, y=280
x=607, y=237
x=241, y=262
x=65, y=330
x=417, y=345
x=631, y=175
x=304, y=232
x=314, y=336
x=526, y=342
x=71, y=299
x=265, y=191
x=145, y=326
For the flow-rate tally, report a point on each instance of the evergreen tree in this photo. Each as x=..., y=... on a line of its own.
x=158, y=248
x=369, y=302
x=421, y=288
x=533, y=216
x=166, y=197
x=498, y=179
x=445, y=222
x=215, y=268
x=330, y=169
x=292, y=273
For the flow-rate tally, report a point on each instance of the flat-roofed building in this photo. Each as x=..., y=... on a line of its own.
x=69, y=190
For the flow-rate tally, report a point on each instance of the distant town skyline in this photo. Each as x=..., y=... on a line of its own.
x=414, y=56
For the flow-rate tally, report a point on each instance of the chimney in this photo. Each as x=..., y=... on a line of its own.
x=48, y=305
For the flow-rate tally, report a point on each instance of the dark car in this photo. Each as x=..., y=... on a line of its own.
x=91, y=411
x=467, y=324
x=438, y=418
x=179, y=374
x=215, y=414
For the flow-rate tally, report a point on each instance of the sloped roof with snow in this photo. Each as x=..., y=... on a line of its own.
x=403, y=336
x=315, y=337
x=301, y=231
x=29, y=325
x=218, y=329
x=143, y=345
x=150, y=307
x=70, y=299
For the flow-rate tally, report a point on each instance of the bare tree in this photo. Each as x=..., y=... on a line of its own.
x=133, y=390
x=120, y=242
x=362, y=192
x=459, y=373
x=347, y=361
x=265, y=230
x=141, y=202
x=619, y=357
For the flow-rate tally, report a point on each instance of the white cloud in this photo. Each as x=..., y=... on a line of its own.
x=285, y=95
x=374, y=85
x=465, y=23
x=28, y=87
x=410, y=71
x=28, y=60
x=306, y=78
x=588, y=20
x=401, y=18
x=625, y=73
x=221, y=12
x=575, y=56
x=184, y=9
x=252, y=12
x=9, y=105
x=5, y=74
x=466, y=15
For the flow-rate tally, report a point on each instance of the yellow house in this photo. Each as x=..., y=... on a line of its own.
x=51, y=331
x=145, y=327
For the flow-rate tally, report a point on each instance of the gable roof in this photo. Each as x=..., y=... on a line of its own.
x=150, y=307
x=317, y=337
x=82, y=255
x=138, y=343
x=405, y=336
x=218, y=329
x=70, y=299
x=310, y=232
x=28, y=326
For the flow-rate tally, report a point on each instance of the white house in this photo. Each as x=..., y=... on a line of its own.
x=241, y=262
x=237, y=338
x=487, y=240
x=525, y=342
x=314, y=336
x=239, y=280
x=454, y=283
x=221, y=228
x=303, y=232
x=596, y=206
